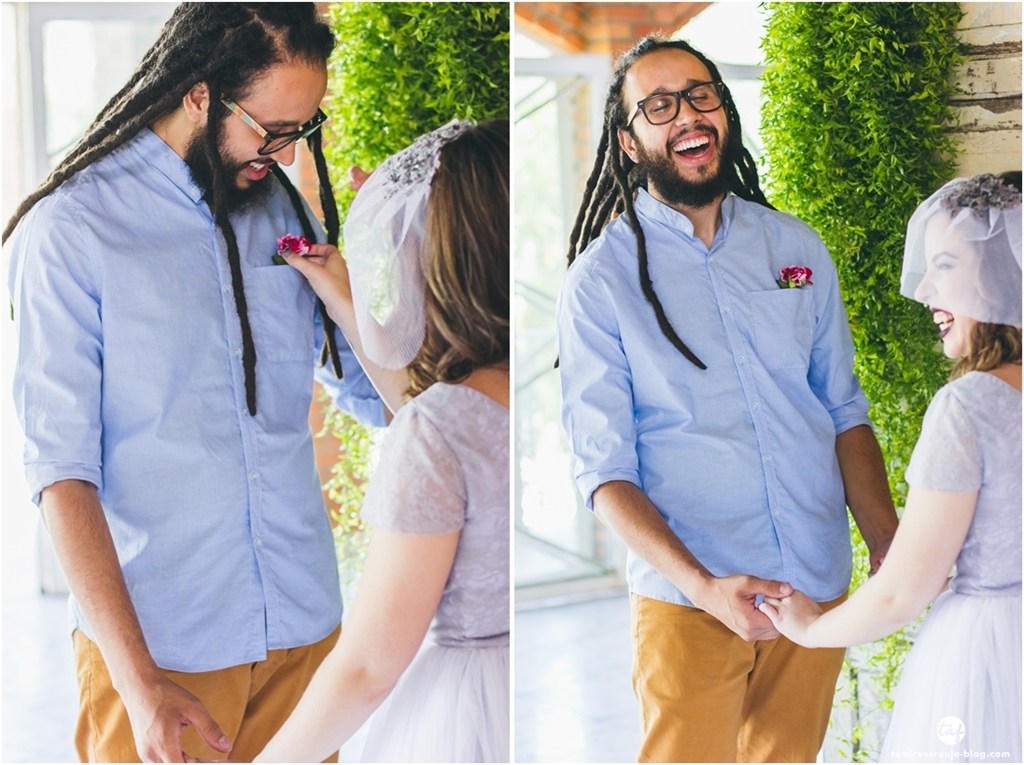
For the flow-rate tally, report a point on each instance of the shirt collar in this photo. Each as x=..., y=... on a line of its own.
x=651, y=208
x=165, y=160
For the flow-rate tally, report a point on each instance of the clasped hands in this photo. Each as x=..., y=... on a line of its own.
x=733, y=601
x=783, y=610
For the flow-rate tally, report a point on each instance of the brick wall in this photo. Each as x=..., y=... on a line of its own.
x=990, y=109
x=601, y=27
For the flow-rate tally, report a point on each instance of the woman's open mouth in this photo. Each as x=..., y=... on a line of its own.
x=944, y=319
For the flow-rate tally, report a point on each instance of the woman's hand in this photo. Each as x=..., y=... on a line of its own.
x=792, y=616
x=327, y=273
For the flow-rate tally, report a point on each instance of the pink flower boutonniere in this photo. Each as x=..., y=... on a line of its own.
x=289, y=243
x=794, y=277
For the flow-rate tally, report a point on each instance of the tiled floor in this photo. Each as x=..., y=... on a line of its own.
x=40, y=695
x=573, y=698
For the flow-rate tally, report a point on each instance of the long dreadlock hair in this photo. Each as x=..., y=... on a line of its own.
x=228, y=46
x=615, y=179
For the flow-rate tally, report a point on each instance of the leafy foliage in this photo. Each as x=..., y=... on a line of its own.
x=857, y=102
x=402, y=69
x=398, y=71
x=346, y=488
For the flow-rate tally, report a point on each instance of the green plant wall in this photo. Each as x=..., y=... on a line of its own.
x=855, y=116
x=402, y=69
x=399, y=70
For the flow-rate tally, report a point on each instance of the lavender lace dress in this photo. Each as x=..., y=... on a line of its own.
x=444, y=467
x=959, y=698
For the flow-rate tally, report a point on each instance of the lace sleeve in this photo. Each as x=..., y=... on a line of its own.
x=947, y=456
x=418, y=486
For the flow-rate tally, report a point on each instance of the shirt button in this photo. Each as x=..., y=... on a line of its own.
x=711, y=260
x=775, y=513
x=254, y=475
x=741, y=359
x=757, y=405
x=226, y=289
x=725, y=310
x=258, y=542
x=767, y=458
x=237, y=353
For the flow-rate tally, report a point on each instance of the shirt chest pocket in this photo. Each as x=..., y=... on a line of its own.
x=282, y=307
x=783, y=327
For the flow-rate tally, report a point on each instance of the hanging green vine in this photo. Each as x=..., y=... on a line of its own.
x=856, y=109
x=399, y=70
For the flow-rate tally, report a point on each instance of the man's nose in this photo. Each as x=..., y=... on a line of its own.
x=285, y=155
x=686, y=113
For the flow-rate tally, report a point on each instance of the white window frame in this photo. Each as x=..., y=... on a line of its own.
x=30, y=19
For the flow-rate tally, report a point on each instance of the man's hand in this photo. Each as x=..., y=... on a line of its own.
x=731, y=600
x=792, y=616
x=160, y=712
x=877, y=556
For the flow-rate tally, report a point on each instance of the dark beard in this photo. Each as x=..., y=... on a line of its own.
x=235, y=199
x=673, y=188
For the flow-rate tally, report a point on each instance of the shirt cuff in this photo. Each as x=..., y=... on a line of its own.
x=843, y=421
x=369, y=411
x=354, y=395
x=588, y=483
x=42, y=474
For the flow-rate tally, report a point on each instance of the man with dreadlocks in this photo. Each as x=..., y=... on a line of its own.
x=725, y=462
x=164, y=380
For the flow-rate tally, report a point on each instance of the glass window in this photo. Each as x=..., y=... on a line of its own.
x=77, y=82
x=73, y=58
x=557, y=538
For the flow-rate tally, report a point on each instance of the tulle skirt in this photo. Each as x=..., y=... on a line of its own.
x=451, y=705
x=959, y=699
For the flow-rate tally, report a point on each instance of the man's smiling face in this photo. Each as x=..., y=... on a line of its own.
x=284, y=99
x=683, y=158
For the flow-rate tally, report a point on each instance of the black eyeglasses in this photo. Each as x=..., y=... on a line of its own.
x=276, y=141
x=664, y=107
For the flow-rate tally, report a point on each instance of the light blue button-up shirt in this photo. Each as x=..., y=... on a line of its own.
x=130, y=377
x=739, y=458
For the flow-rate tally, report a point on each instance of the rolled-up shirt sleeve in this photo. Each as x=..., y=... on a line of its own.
x=597, y=390
x=830, y=374
x=55, y=291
